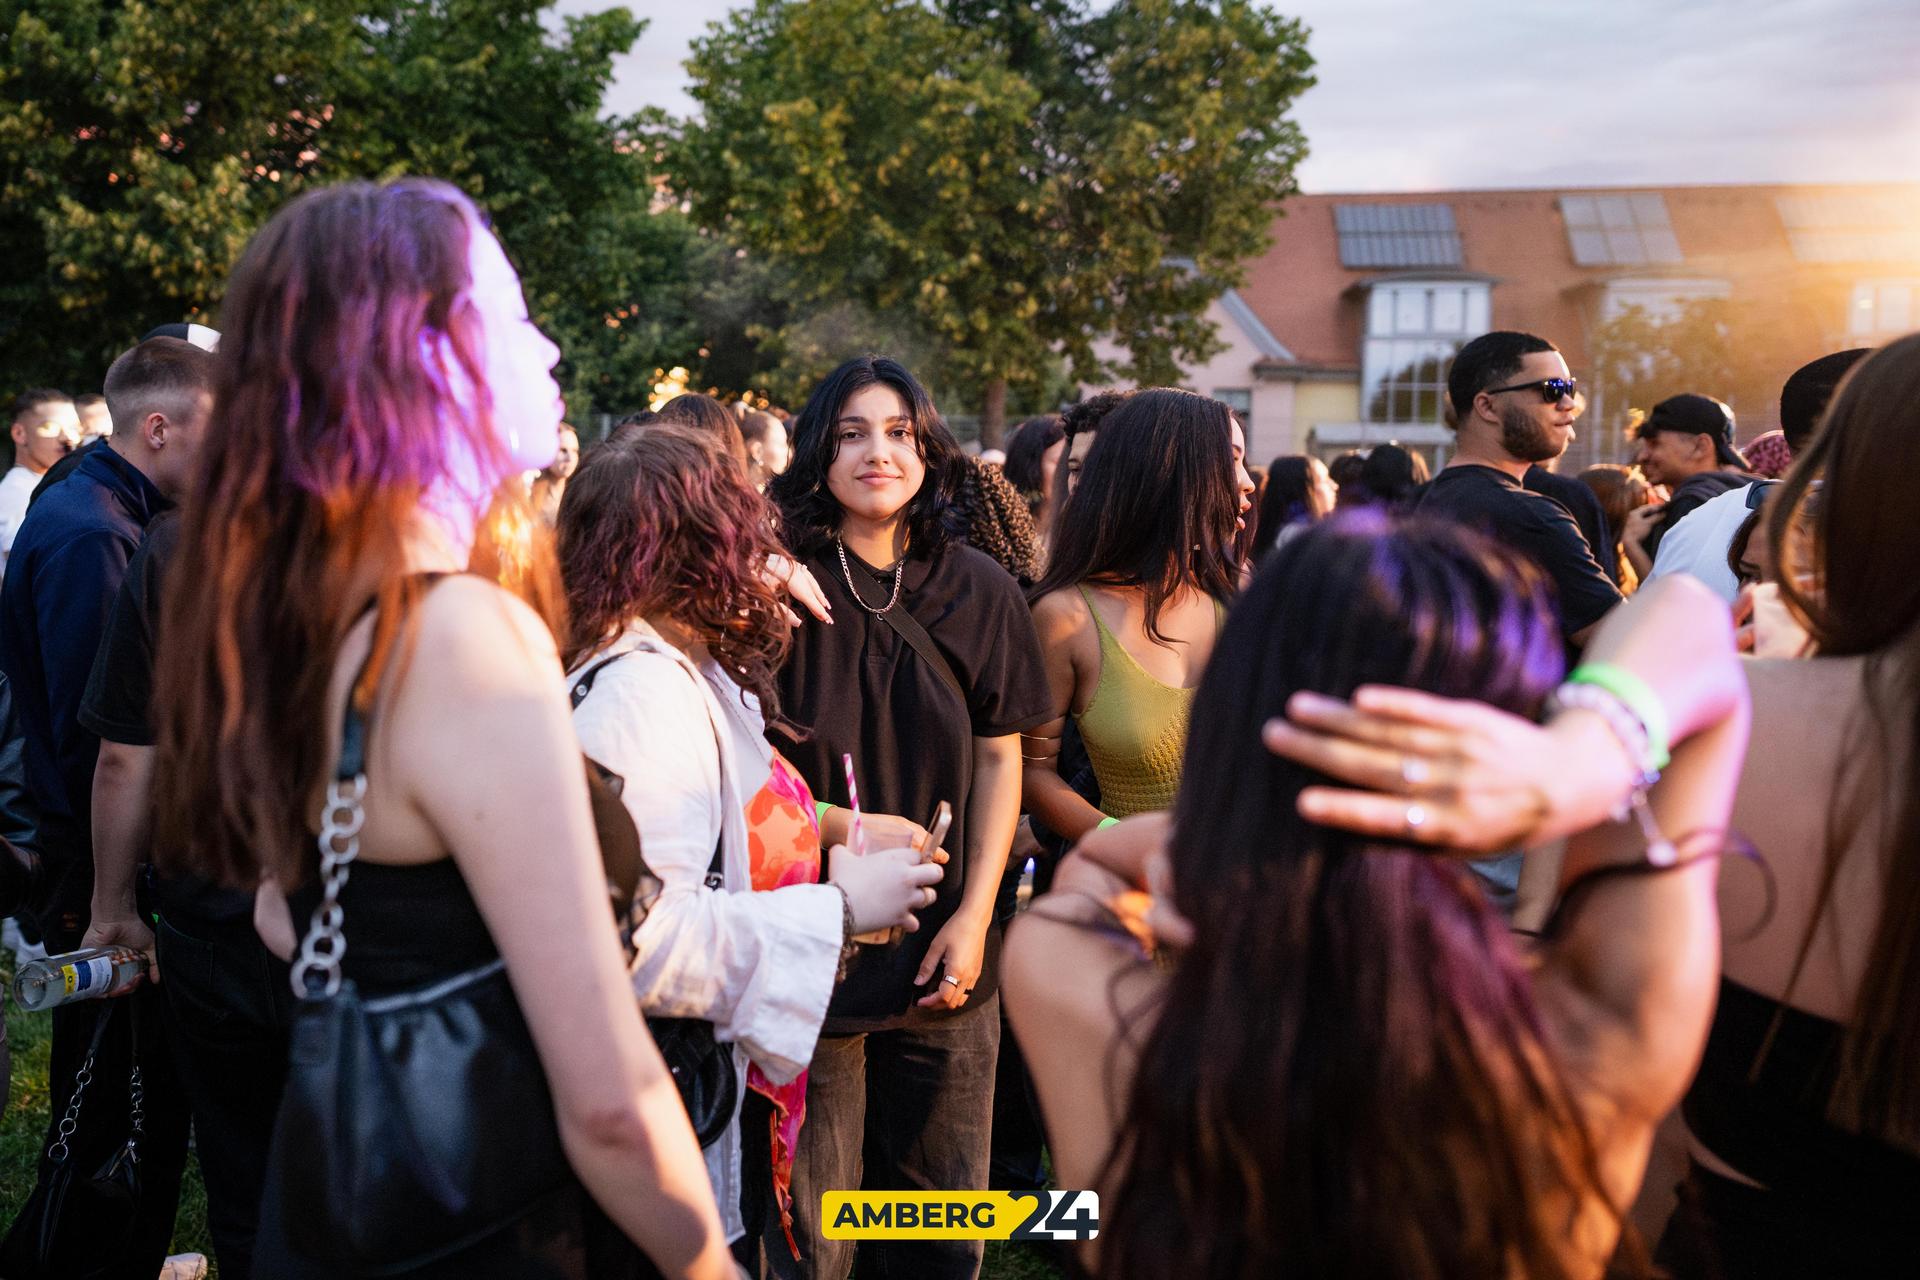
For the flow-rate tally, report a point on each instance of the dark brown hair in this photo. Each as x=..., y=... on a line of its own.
x=661, y=524
x=1860, y=546
x=1155, y=504
x=333, y=420
x=1347, y=1073
x=711, y=419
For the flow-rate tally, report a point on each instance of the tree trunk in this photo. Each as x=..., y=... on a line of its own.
x=993, y=415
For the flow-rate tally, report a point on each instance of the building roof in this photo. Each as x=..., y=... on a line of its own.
x=1547, y=248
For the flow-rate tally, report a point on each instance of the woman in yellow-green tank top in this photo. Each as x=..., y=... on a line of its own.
x=1135, y=591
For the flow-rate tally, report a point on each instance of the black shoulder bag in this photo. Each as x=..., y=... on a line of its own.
x=412, y=1125
x=702, y=1067
x=77, y=1223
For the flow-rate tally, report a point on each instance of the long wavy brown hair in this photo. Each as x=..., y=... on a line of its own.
x=658, y=524
x=1348, y=1073
x=336, y=420
x=1848, y=549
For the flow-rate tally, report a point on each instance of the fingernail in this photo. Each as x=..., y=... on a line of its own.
x=1304, y=701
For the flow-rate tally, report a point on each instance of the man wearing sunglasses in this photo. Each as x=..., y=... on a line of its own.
x=1514, y=403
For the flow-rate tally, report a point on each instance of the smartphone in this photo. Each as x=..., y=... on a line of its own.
x=937, y=829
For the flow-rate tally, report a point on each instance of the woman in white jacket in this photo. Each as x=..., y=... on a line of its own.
x=678, y=635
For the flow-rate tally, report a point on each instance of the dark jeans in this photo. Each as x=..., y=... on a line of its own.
x=903, y=1110
x=229, y=1007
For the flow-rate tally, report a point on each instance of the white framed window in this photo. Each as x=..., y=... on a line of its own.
x=1883, y=308
x=1240, y=400
x=1664, y=299
x=1414, y=327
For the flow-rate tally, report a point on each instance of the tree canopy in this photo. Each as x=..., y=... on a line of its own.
x=142, y=144
x=1001, y=180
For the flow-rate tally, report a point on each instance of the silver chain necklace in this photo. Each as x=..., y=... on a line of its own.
x=846, y=571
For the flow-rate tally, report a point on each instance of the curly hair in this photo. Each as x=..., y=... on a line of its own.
x=661, y=524
x=998, y=521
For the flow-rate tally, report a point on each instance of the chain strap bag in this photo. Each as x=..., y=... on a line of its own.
x=77, y=1225
x=413, y=1125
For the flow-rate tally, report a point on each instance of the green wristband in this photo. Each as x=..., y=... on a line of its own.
x=820, y=808
x=1639, y=698
x=1107, y=822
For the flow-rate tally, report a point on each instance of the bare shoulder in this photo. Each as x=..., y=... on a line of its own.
x=1080, y=1002
x=1064, y=624
x=1059, y=968
x=467, y=621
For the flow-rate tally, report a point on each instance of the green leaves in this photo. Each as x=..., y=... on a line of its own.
x=141, y=144
x=1009, y=180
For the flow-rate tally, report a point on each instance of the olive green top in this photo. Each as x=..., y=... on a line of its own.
x=1135, y=729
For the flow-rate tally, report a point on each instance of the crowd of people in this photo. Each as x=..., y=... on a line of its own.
x=564, y=862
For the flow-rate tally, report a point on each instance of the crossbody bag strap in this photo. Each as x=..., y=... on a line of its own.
x=316, y=974
x=716, y=877
x=916, y=635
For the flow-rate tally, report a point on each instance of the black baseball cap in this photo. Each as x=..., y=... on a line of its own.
x=1697, y=416
x=198, y=334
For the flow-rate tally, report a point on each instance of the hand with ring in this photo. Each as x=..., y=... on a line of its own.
x=958, y=952
x=1449, y=772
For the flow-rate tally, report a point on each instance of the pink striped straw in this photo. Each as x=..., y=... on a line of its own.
x=853, y=801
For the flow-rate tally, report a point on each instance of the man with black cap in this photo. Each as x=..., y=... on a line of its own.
x=1697, y=544
x=1686, y=444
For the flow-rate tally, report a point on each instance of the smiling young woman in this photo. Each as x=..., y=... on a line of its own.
x=927, y=675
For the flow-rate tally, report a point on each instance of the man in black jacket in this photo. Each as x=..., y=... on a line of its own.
x=64, y=573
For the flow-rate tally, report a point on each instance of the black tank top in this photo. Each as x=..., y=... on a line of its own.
x=1825, y=1184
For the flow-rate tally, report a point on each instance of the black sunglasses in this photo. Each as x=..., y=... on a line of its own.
x=1552, y=390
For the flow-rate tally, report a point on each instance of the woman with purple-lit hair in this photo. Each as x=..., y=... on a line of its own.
x=382, y=391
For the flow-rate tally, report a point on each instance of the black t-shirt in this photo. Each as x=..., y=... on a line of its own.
x=1584, y=506
x=858, y=686
x=118, y=704
x=1531, y=524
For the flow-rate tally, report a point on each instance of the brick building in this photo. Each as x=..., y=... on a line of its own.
x=1340, y=336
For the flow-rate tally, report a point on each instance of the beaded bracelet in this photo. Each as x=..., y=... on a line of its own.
x=1638, y=697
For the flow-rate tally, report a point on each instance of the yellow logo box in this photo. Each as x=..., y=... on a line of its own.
x=960, y=1215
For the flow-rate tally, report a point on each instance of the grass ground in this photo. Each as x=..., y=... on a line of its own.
x=23, y=1129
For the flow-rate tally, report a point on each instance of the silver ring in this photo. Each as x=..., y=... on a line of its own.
x=1414, y=770
x=950, y=978
x=1416, y=817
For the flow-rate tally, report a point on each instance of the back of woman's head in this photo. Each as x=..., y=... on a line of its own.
x=1621, y=490
x=661, y=526
x=809, y=511
x=1391, y=474
x=1288, y=499
x=1026, y=454
x=1846, y=547
x=352, y=394
x=1156, y=503
x=1346, y=1075
x=711, y=419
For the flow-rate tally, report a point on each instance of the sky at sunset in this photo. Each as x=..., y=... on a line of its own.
x=1473, y=93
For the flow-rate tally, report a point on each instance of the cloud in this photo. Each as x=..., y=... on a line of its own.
x=1486, y=93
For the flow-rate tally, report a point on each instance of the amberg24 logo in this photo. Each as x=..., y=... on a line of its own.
x=960, y=1215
